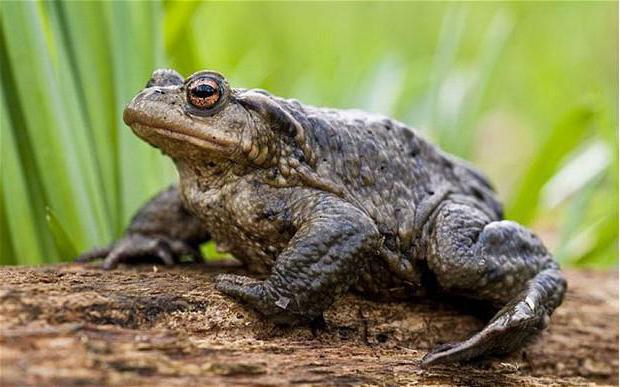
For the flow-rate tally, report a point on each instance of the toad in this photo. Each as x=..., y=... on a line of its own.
x=324, y=201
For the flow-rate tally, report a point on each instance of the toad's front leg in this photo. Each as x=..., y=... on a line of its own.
x=323, y=259
x=163, y=231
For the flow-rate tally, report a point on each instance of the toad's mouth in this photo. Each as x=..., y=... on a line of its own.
x=205, y=142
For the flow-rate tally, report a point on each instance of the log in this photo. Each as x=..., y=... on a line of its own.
x=153, y=325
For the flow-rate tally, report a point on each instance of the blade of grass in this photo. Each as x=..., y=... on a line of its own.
x=133, y=60
x=7, y=252
x=20, y=232
x=179, y=39
x=79, y=28
x=26, y=203
x=87, y=26
x=59, y=153
x=8, y=256
x=63, y=242
x=575, y=226
x=582, y=168
x=565, y=136
x=449, y=40
x=462, y=136
x=75, y=133
x=382, y=90
x=209, y=251
x=12, y=183
x=604, y=248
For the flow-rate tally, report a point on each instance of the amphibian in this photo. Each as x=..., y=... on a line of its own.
x=325, y=201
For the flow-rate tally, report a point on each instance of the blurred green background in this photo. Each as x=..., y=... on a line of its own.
x=526, y=91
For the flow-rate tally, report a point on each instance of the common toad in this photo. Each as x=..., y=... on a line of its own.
x=326, y=201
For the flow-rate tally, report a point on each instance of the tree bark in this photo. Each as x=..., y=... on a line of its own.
x=69, y=324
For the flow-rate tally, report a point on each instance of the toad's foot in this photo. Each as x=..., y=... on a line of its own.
x=249, y=290
x=138, y=248
x=511, y=327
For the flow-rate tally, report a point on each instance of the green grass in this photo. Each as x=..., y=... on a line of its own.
x=526, y=91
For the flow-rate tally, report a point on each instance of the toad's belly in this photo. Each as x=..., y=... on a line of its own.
x=242, y=220
x=255, y=226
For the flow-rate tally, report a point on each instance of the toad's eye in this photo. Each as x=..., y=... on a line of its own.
x=203, y=93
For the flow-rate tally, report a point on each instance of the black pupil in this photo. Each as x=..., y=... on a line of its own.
x=203, y=91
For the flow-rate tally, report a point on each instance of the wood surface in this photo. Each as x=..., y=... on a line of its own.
x=151, y=325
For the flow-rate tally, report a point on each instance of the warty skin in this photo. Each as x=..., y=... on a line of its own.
x=326, y=201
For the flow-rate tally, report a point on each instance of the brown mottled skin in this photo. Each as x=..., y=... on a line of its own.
x=329, y=200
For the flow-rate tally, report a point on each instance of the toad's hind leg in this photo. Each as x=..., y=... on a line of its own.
x=498, y=261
